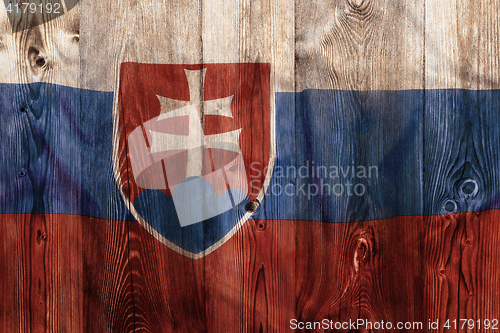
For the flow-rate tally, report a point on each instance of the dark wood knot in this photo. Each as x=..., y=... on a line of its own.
x=40, y=61
x=36, y=59
x=41, y=235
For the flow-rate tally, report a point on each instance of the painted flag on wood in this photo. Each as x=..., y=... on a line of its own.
x=208, y=167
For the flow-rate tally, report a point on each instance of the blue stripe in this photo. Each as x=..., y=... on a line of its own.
x=57, y=151
x=436, y=152
x=427, y=150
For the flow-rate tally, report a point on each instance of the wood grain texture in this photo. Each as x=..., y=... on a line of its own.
x=456, y=57
x=66, y=273
x=41, y=261
x=360, y=45
x=14, y=261
x=459, y=38
x=400, y=269
x=367, y=45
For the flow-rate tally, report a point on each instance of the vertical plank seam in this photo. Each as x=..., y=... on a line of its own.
x=204, y=281
x=294, y=107
x=425, y=225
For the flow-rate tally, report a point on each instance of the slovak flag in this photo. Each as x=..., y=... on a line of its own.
x=231, y=166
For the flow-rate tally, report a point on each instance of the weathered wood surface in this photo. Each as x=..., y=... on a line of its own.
x=76, y=274
x=123, y=280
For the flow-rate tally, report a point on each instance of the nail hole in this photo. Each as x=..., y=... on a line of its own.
x=23, y=109
x=21, y=173
x=261, y=226
x=441, y=272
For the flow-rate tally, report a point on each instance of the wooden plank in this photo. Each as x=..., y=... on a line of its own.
x=57, y=268
x=458, y=40
x=106, y=276
x=47, y=280
x=359, y=271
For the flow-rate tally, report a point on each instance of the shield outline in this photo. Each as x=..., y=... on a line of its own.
x=248, y=214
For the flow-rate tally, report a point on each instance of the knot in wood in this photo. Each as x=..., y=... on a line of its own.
x=363, y=8
x=361, y=252
x=37, y=60
x=450, y=206
x=468, y=188
x=41, y=235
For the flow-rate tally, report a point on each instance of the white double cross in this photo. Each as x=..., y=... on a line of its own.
x=196, y=140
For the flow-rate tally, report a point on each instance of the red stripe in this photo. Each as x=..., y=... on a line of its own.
x=98, y=275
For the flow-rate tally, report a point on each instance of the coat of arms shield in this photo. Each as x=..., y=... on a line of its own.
x=193, y=148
